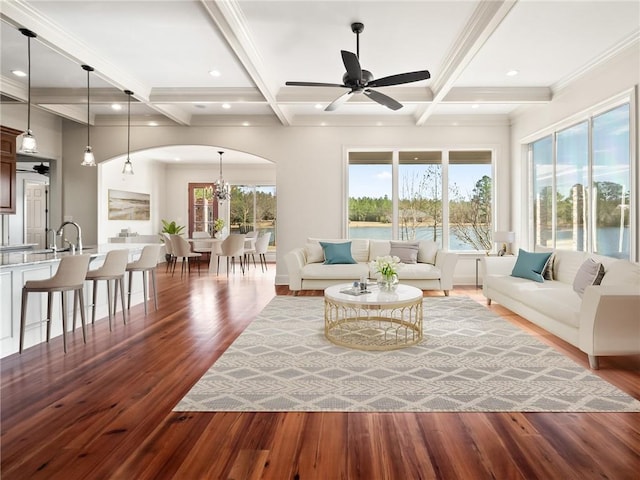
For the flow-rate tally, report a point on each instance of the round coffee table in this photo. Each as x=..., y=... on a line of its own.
x=378, y=320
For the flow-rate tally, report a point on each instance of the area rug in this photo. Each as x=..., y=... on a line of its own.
x=470, y=360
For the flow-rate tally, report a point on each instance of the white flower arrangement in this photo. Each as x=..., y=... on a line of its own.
x=386, y=266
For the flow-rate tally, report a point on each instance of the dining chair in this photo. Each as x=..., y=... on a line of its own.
x=168, y=247
x=113, y=268
x=203, y=247
x=232, y=247
x=146, y=263
x=69, y=276
x=250, y=247
x=182, y=250
x=262, y=244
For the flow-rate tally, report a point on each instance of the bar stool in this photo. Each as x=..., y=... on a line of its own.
x=146, y=263
x=113, y=268
x=69, y=276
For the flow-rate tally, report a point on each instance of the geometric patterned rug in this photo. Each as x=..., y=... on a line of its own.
x=470, y=360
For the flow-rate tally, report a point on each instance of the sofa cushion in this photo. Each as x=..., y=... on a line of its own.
x=407, y=252
x=314, y=252
x=589, y=273
x=530, y=265
x=419, y=271
x=552, y=298
x=319, y=271
x=427, y=251
x=337, y=253
x=622, y=272
x=359, y=246
x=379, y=248
x=566, y=264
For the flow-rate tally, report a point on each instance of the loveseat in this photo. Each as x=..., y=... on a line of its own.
x=307, y=270
x=602, y=320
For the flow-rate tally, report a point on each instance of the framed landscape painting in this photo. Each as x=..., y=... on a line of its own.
x=129, y=205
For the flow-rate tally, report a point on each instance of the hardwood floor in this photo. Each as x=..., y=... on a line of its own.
x=103, y=410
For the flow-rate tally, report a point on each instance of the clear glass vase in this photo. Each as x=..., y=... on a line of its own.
x=388, y=283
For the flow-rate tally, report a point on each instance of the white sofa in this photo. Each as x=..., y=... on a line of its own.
x=433, y=271
x=604, y=321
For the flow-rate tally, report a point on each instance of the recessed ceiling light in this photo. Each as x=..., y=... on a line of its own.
x=318, y=106
x=475, y=105
x=226, y=106
x=512, y=73
x=116, y=106
x=177, y=159
x=153, y=124
x=378, y=124
x=245, y=124
x=18, y=73
x=323, y=124
x=455, y=124
x=214, y=73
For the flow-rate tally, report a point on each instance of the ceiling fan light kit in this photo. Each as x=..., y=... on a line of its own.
x=29, y=143
x=358, y=80
x=88, y=160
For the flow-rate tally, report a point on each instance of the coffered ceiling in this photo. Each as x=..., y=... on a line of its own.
x=165, y=50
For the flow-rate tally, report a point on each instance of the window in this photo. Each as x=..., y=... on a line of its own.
x=203, y=209
x=581, y=195
x=253, y=207
x=416, y=211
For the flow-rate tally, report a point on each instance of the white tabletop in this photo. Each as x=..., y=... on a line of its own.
x=402, y=294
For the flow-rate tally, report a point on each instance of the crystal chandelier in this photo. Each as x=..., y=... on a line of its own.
x=223, y=191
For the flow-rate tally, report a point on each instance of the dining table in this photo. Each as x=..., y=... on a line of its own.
x=215, y=249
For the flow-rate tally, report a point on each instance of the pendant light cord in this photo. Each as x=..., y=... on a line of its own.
x=128, y=122
x=29, y=83
x=88, y=103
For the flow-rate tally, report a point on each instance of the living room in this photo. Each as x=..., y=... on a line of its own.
x=309, y=162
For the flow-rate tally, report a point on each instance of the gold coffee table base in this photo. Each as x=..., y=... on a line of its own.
x=379, y=326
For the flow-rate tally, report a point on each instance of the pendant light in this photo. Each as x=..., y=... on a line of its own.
x=29, y=144
x=89, y=160
x=223, y=191
x=128, y=167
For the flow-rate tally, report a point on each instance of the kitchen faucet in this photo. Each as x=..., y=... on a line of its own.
x=53, y=246
x=78, y=245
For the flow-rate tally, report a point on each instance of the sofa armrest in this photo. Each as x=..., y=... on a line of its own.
x=493, y=265
x=295, y=260
x=446, y=262
x=610, y=320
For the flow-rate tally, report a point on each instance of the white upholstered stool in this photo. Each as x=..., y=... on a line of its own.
x=113, y=268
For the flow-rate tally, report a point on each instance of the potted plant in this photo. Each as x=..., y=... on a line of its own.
x=218, y=225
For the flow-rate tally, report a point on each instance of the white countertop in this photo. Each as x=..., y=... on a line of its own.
x=31, y=257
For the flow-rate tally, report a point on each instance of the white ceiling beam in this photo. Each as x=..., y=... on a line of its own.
x=484, y=21
x=328, y=94
x=229, y=19
x=206, y=95
x=498, y=95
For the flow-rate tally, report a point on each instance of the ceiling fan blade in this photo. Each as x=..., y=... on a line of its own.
x=352, y=65
x=383, y=99
x=315, y=84
x=338, y=101
x=400, y=78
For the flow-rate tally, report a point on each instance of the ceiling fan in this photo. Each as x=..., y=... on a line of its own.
x=42, y=169
x=358, y=80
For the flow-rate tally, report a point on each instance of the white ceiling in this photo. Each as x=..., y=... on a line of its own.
x=164, y=50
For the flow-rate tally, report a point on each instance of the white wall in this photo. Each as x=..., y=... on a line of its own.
x=620, y=74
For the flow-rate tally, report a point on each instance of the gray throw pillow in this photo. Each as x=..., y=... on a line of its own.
x=589, y=273
x=407, y=252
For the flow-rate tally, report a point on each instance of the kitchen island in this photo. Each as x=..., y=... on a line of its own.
x=18, y=267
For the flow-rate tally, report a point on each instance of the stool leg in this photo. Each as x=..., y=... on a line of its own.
x=82, y=319
x=124, y=316
x=23, y=316
x=155, y=288
x=144, y=288
x=129, y=290
x=109, y=295
x=64, y=321
x=49, y=314
x=93, y=306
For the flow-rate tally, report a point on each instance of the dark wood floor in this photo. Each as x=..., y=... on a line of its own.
x=103, y=411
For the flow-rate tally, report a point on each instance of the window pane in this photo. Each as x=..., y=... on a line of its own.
x=572, y=160
x=542, y=157
x=241, y=209
x=266, y=211
x=370, y=205
x=420, y=201
x=470, y=213
x=611, y=182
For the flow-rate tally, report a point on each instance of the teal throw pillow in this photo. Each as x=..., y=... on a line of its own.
x=530, y=265
x=337, y=253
